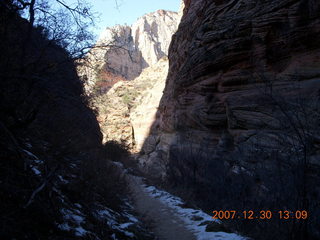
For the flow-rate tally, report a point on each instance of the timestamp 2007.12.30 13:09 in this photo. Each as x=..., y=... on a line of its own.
x=261, y=215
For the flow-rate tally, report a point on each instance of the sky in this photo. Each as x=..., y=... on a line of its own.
x=114, y=12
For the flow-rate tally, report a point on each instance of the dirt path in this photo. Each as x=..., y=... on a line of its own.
x=164, y=223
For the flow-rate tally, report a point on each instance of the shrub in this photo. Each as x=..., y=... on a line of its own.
x=119, y=153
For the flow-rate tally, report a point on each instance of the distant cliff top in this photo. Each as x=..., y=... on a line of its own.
x=130, y=49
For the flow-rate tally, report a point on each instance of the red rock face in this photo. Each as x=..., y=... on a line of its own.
x=243, y=87
x=132, y=48
x=224, y=53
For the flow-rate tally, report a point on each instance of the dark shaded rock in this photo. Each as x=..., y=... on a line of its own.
x=249, y=70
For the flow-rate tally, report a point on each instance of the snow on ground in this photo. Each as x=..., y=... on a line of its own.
x=30, y=154
x=64, y=181
x=36, y=171
x=34, y=162
x=191, y=217
x=74, y=221
x=112, y=219
x=74, y=218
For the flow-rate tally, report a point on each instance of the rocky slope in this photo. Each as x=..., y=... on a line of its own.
x=240, y=105
x=125, y=51
x=127, y=111
x=56, y=180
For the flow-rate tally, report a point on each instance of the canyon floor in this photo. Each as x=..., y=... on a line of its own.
x=167, y=217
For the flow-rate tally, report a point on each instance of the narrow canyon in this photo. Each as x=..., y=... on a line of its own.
x=200, y=124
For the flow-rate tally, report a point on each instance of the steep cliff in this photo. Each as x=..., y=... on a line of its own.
x=240, y=106
x=125, y=51
x=152, y=35
x=127, y=108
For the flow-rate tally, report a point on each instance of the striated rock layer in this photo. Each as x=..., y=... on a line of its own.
x=243, y=86
x=223, y=58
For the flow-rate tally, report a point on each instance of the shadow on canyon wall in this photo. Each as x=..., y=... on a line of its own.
x=238, y=124
x=54, y=171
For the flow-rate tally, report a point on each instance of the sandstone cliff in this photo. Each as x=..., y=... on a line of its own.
x=127, y=111
x=240, y=103
x=223, y=57
x=125, y=51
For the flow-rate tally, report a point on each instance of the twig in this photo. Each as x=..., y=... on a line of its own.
x=39, y=189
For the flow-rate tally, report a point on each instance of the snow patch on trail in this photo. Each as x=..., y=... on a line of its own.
x=191, y=217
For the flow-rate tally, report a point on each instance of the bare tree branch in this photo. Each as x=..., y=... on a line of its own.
x=40, y=188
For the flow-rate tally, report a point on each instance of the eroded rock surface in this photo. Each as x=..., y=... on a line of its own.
x=127, y=111
x=224, y=59
x=124, y=51
x=240, y=106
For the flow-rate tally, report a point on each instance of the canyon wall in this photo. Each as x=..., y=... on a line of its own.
x=127, y=111
x=240, y=104
x=124, y=51
x=224, y=59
